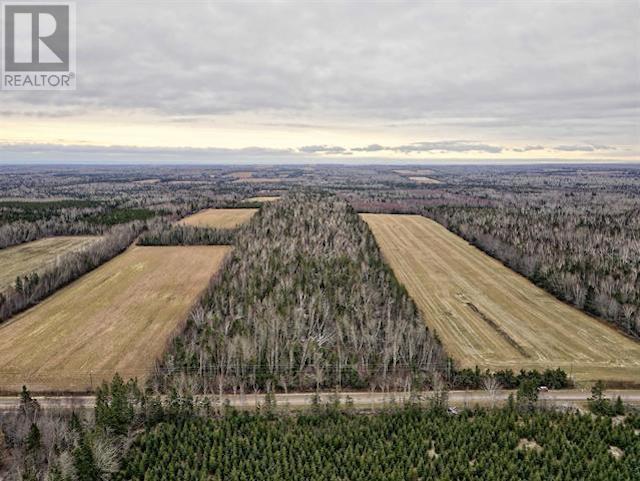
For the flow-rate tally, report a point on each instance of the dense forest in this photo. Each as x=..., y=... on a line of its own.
x=305, y=302
x=406, y=444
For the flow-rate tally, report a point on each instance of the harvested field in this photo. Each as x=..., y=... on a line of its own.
x=262, y=199
x=37, y=256
x=117, y=318
x=489, y=316
x=220, y=218
x=424, y=180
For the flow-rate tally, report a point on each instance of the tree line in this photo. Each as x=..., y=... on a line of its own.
x=168, y=234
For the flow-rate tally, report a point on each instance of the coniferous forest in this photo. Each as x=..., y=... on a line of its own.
x=405, y=444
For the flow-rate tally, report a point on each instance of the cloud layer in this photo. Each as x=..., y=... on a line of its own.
x=517, y=77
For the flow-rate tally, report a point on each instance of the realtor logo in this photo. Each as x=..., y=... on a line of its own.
x=38, y=51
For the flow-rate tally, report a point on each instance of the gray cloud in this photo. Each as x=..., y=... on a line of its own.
x=323, y=149
x=582, y=148
x=370, y=148
x=448, y=146
x=11, y=153
x=528, y=148
x=521, y=71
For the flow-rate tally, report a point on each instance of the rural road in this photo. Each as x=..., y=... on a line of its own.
x=360, y=399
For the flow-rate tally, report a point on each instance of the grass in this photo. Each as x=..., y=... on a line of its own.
x=117, y=318
x=36, y=256
x=489, y=316
x=220, y=218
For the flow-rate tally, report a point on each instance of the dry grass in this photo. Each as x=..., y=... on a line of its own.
x=262, y=199
x=487, y=315
x=220, y=218
x=36, y=256
x=118, y=317
x=424, y=180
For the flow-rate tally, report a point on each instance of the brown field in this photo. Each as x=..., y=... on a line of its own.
x=487, y=315
x=425, y=180
x=37, y=256
x=118, y=317
x=220, y=218
x=262, y=199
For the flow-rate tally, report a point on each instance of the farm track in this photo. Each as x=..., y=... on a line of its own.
x=118, y=317
x=489, y=316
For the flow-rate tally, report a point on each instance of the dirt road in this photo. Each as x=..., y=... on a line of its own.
x=359, y=399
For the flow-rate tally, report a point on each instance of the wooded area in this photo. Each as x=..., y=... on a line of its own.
x=305, y=302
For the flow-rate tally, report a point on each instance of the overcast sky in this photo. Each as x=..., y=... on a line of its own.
x=348, y=82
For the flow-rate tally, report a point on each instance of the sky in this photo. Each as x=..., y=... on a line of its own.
x=262, y=82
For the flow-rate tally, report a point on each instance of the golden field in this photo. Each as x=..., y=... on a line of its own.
x=37, y=256
x=117, y=318
x=267, y=198
x=424, y=180
x=220, y=218
x=489, y=316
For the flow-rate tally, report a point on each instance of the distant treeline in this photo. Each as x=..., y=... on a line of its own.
x=173, y=235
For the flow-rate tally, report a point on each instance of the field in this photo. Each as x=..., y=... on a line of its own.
x=220, y=218
x=487, y=315
x=262, y=199
x=424, y=180
x=116, y=318
x=36, y=256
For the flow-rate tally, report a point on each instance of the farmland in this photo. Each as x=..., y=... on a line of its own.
x=267, y=198
x=37, y=256
x=220, y=218
x=487, y=315
x=117, y=318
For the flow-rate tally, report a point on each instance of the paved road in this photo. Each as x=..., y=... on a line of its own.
x=360, y=399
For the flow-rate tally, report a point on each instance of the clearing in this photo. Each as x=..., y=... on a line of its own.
x=267, y=198
x=37, y=256
x=220, y=218
x=424, y=180
x=489, y=316
x=118, y=317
